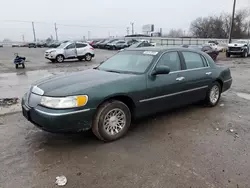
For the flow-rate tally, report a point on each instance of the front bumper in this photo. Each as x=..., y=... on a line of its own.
x=56, y=121
x=49, y=56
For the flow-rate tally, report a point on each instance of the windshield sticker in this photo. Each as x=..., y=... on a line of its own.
x=150, y=53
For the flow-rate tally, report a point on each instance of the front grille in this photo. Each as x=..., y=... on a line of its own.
x=235, y=49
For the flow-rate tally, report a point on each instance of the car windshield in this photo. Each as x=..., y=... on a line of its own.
x=241, y=41
x=128, y=62
x=63, y=45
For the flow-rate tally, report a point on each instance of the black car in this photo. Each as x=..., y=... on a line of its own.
x=205, y=48
x=54, y=45
x=141, y=44
x=104, y=44
x=32, y=45
x=96, y=45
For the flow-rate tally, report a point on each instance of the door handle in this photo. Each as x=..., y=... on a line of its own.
x=180, y=78
x=208, y=73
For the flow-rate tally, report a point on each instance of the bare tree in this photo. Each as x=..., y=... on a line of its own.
x=175, y=33
x=219, y=26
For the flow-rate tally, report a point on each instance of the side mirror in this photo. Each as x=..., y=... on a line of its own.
x=161, y=70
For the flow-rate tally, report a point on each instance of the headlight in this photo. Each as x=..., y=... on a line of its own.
x=53, y=51
x=64, y=102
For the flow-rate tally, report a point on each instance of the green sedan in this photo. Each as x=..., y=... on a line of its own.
x=131, y=84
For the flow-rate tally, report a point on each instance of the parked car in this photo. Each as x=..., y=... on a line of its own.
x=240, y=47
x=15, y=45
x=213, y=42
x=54, y=44
x=41, y=45
x=132, y=41
x=213, y=53
x=1, y=46
x=131, y=84
x=32, y=45
x=93, y=42
x=96, y=45
x=117, y=45
x=70, y=50
x=103, y=45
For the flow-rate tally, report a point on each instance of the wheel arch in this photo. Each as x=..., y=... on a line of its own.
x=123, y=98
x=220, y=82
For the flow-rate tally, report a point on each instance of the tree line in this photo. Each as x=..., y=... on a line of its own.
x=218, y=26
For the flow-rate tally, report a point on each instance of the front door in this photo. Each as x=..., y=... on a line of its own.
x=164, y=91
x=70, y=51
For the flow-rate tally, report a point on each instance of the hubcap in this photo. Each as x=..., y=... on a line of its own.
x=214, y=94
x=59, y=58
x=88, y=57
x=114, y=121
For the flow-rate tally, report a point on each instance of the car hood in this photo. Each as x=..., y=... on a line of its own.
x=76, y=83
x=236, y=44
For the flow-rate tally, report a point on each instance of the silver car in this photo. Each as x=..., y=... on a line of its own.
x=70, y=50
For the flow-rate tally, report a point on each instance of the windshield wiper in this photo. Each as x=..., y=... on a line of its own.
x=112, y=71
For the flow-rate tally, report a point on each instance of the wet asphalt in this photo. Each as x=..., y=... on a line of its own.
x=190, y=147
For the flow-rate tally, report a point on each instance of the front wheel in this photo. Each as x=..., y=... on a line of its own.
x=111, y=121
x=245, y=54
x=88, y=57
x=16, y=66
x=23, y=66
x=59, y=58
x=228, y=54
x=213, y=94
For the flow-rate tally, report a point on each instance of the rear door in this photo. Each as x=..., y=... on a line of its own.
x=197, y=76
x=70, y=51
x=81, y=49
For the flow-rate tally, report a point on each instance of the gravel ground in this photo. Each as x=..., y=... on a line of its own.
x=189, y=147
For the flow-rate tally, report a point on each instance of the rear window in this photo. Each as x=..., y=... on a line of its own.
x=193, y=60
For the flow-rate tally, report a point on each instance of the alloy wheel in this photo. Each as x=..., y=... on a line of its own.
x=214, y=94
x=114, y=121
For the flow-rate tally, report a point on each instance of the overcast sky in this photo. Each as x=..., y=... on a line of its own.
x=102, y=17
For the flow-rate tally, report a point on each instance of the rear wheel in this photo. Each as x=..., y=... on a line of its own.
x=111, y=121
x=59, y=58
x=213, y=94
x=88, y=57
x=16, y=66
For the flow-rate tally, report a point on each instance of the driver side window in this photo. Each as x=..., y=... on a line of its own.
x=70, y=46
x=172, y=60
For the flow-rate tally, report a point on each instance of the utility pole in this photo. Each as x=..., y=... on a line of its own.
x=88, y=35
x=127, y=30
x=132, y=25
x=34, y=32
x=56, y=32
x=232, y=23
x=23, y=38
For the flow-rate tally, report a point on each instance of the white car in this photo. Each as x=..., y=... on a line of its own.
x=240, y=47
x=70, y=50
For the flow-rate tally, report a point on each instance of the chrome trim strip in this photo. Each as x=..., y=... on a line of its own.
x=228, y=80
x=186, y=70
x=61, y=114
x=172, y=94
x=37, y=90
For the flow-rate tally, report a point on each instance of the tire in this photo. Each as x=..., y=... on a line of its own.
x=210, y=100
x=16, y=66
x=23, y=66
x=59, y=58
x=109, y=134
x=245, y=54
x=88, y=57
x=228, y=54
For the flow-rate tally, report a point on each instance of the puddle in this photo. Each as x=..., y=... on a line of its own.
x=244, y=95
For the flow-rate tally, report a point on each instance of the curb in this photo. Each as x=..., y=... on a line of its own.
x=10, y=110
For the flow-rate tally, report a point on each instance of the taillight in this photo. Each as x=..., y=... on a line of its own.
x=91, y=48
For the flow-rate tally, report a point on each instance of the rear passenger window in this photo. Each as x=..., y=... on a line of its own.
x=172, y=60
x=80, y=45
x=193, y=60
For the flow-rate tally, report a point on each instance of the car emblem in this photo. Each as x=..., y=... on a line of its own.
x=235, y=45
